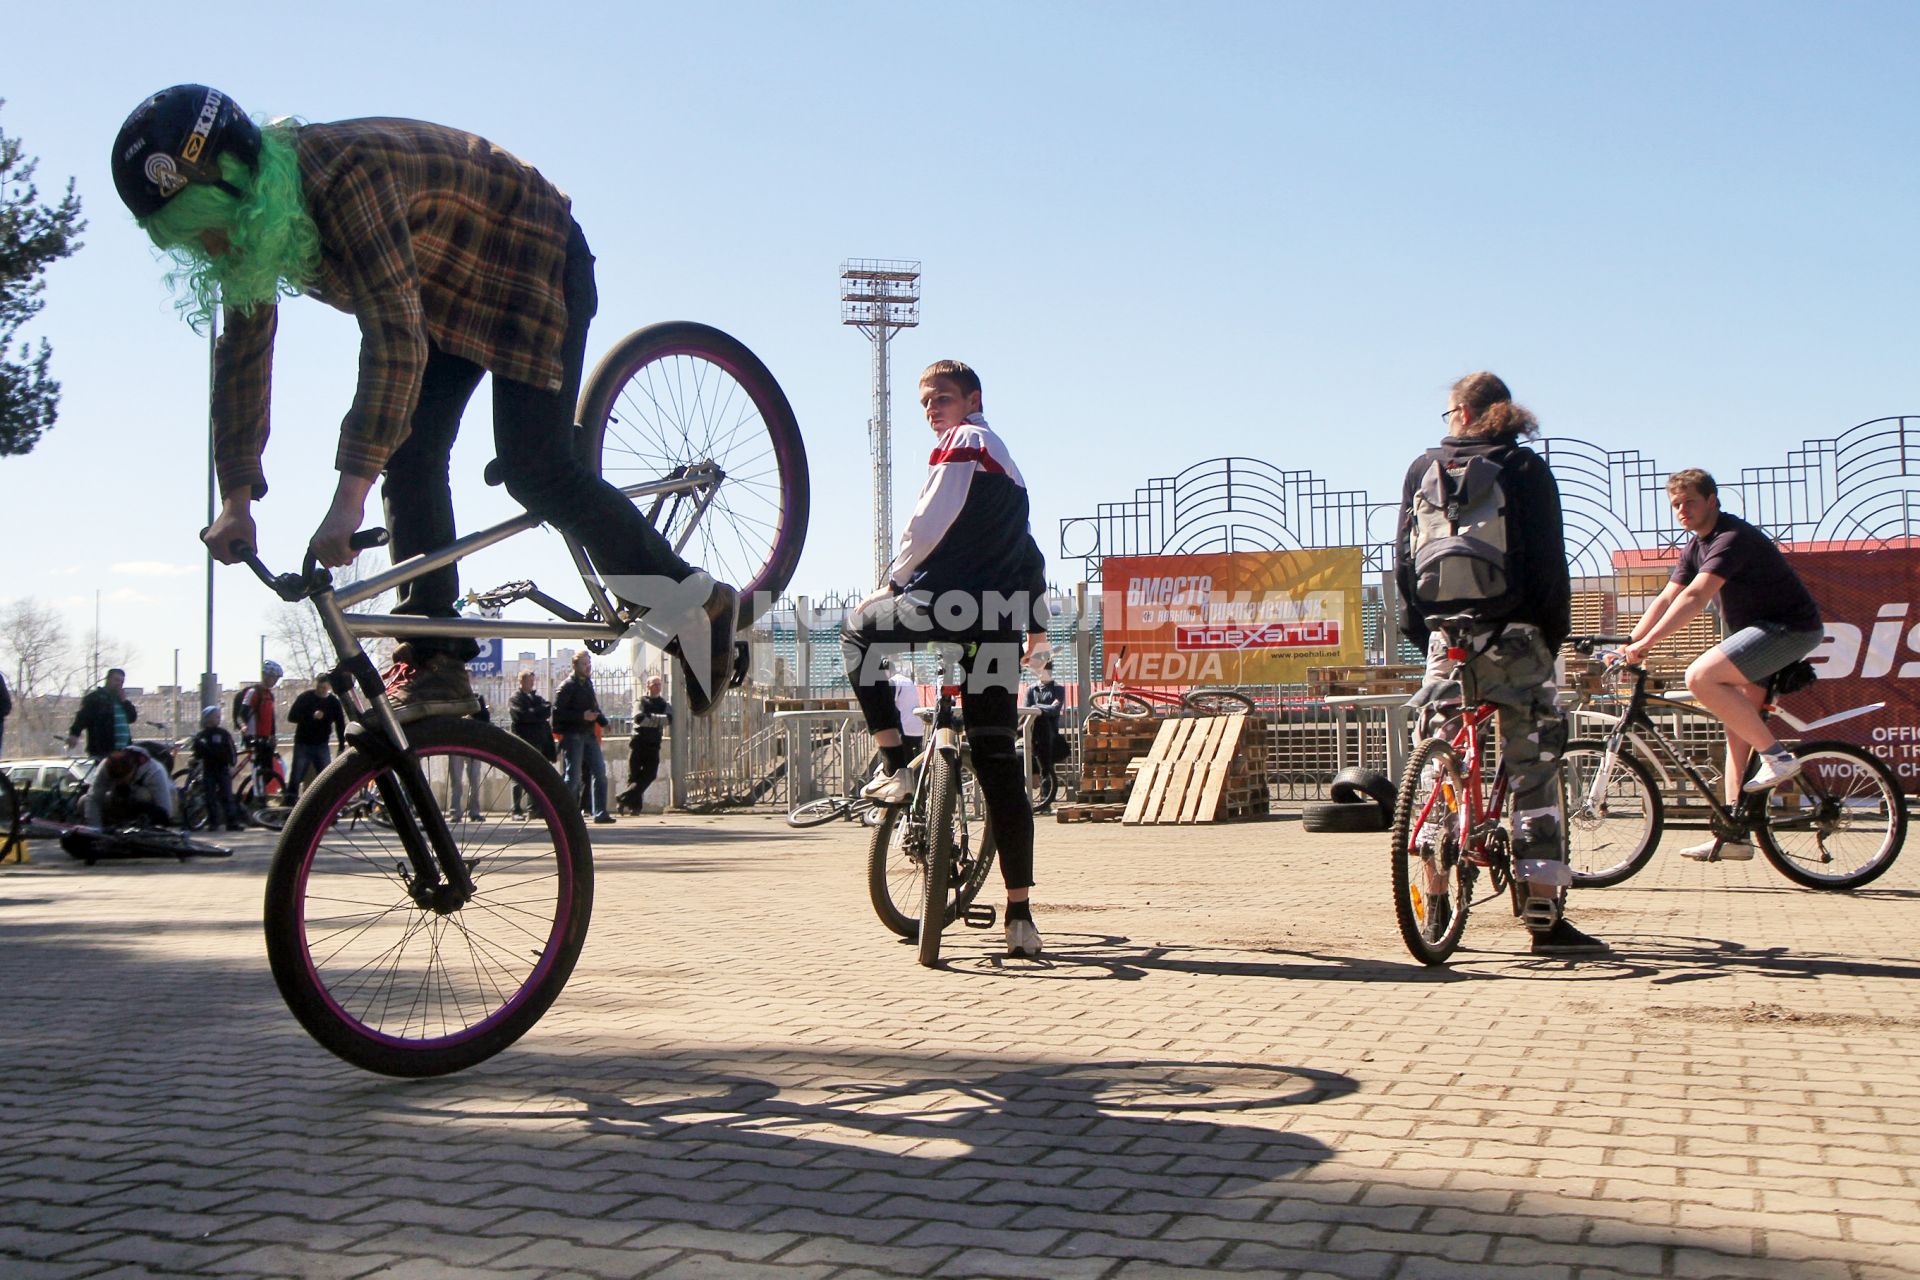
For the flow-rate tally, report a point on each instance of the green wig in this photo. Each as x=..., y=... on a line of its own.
x=273, y=248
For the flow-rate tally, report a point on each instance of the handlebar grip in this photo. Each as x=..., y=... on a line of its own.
x=367, y=539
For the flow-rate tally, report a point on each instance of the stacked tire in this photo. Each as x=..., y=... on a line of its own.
x=1360, y=800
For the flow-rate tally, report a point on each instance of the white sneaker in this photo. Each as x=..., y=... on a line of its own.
x=1022, y=938
x=1719, y=851
x=1771, y=773
x=891, y=788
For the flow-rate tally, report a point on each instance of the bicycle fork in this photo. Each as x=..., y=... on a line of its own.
x=439, y=881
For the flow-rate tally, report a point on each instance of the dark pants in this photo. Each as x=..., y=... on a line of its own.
x=540, y=738
x=989, y=702
x=265, y=760
x=222, y=809
x=1046, y=743
x=643, y=766
x=314, y=756
x=535, y=441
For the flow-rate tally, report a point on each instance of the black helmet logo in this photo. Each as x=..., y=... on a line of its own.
x=177, y=137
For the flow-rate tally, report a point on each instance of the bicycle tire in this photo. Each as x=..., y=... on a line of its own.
x=1602, y=848
x=1043, y=793
x=1801, y=844
x=819, y=812
x=896, y=859
x=671, y=395
x=1429, y=936
x=1125, y=706
x=193, y=799
x=942, y=802
x=1217, y=702
x=402, y=990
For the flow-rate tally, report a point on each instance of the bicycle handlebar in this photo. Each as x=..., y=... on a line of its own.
x=292, y=587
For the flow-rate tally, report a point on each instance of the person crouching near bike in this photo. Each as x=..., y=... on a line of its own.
x=1480, y=536
x=968, y=571
x=130, y=788
x=458, y=260
x=213, y=750
x=1771, y=622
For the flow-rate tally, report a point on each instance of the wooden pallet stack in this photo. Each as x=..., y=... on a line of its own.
x=1201, y=769
x=1325, y=682
x=1107, y=747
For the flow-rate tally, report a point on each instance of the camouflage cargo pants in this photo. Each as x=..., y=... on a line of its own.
x=1514, y=672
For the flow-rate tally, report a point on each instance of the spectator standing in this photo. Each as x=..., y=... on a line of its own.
x=260, y=726
x=1048, y=698
x=532, y=719
x=105, y=716
x=906, y=696
x=213, y=748
x=470, y=766
x=316, y=715
x=578, y=720
x=651, y=715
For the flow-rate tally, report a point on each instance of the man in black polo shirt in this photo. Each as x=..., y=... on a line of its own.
x=1771, y=622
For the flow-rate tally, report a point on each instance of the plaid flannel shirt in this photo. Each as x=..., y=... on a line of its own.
x=426, y=234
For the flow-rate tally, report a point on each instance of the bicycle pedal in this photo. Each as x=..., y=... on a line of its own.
x=1541, y=914
x=979, y=915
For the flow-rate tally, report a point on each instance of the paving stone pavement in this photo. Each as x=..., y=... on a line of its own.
x=1225, y=1063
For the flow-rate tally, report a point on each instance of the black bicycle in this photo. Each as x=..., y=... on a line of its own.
x=1837, y=824
x=929, y=857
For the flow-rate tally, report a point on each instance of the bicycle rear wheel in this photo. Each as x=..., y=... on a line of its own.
x=1613, y=824
x=1432, y=880
x=897, y=858
x=676, y=396
x=1839, y=824
x=404, y=989
x=815, y=813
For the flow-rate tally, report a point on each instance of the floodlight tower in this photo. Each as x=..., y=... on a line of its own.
x=880, y=297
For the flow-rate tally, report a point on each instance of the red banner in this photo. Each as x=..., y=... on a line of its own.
x=1870, y=602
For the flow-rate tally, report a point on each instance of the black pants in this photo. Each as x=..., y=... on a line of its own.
x=1046, y=743
x=222, y=809
x=643, y=766
x=535, y=441
x=989, y=701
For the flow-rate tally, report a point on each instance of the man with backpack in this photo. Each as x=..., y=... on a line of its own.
x=254, y=716
x=1480, y=536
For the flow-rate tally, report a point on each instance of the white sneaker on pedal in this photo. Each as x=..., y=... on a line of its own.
x=891, y=788
x=1771, y=773
x=1719, y=851
x=1022, y=938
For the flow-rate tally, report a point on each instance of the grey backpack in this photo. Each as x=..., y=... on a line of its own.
x=1460, y=540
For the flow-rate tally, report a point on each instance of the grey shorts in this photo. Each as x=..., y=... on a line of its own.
x=1764, y=648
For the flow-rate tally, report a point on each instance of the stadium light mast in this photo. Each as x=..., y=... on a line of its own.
x=880, y=297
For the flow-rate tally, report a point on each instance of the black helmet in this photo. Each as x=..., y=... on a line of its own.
x=175, y=137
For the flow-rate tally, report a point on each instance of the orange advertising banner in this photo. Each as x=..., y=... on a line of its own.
x=1236, y=617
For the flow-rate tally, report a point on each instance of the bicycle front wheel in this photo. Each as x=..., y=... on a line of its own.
x=1614, y=813
x=1432, y=882
x=897, y=858
x=1217, y=702
x=1839, y=823
x=403, y=988
x=677, y=397
x=1126, y=706
x=943, y=800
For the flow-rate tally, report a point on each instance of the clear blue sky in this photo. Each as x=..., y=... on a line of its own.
x=1161, y=233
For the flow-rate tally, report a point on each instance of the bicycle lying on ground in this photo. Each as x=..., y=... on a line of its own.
x=408, y=949
x=1837, y=824
x=1126, y=701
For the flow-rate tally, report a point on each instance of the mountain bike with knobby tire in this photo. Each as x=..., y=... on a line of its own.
x=1838, y=823
x=929, y=858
